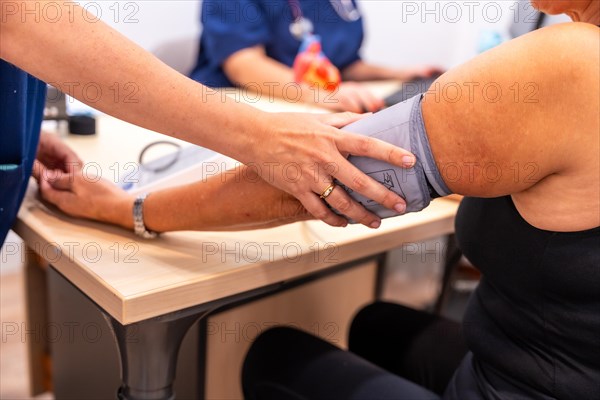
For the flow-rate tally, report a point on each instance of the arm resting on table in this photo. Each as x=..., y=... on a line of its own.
x=541, y=146
x=235, y=200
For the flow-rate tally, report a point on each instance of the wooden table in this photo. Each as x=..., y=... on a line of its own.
x=158, y=288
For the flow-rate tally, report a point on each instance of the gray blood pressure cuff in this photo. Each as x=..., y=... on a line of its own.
x=401, y=125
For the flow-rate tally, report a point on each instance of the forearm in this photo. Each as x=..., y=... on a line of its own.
x=253, y=69
x=236, y=200
x=114, y=75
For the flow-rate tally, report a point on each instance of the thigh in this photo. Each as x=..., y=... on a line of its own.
x=287, y=364
x=421, y=347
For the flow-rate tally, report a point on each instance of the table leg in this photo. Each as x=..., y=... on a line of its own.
x=148, y=351
x=453, y=256
x=36, y=303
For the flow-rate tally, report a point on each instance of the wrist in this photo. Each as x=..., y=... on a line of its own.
x=120, y=211
x=309, y=94
x=139, y=221
x=250, y=147
x=321, y=97
x=248, y=134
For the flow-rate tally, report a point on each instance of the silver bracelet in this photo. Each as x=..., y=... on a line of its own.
x=138, y=218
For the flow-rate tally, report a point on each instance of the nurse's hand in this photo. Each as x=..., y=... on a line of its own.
x=53, y=153
x=304, y=153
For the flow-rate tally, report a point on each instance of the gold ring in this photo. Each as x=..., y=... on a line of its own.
x=327, y=191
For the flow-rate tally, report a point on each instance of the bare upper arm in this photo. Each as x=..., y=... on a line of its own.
x=530, y=102
x=523, y=119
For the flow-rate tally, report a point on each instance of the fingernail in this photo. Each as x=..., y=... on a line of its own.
x=408, y=161
x=400, y=207
x=375, y=224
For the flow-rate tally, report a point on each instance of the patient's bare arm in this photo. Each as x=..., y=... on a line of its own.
x=521, y=119
x=236, y=200
x=539, y=139
x=525, y=123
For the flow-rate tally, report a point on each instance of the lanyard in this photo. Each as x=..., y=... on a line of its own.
x=300, y=27
x=296, y=9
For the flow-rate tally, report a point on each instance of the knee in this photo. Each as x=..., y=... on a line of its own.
x=362, y=327
x=276, y=358
x=383, y=324
x=265, y=354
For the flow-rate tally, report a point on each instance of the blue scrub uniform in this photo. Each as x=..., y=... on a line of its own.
x=233, y=25
x=22, y=100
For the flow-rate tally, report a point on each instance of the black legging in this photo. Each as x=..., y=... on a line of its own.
x=406, y=354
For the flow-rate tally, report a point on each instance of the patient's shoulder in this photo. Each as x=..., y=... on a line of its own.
x=568, y=28
x=577, y=40
x=563, y=60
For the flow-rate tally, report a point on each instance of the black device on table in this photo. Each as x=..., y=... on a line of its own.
x=56, y=110
x=410, y=89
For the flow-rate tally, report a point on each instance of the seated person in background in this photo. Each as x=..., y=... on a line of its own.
x=531, y=162
x=255, y=42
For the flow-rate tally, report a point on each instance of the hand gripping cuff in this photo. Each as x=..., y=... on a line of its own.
x=401, y=125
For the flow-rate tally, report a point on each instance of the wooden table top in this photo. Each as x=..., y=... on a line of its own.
x=134, y=279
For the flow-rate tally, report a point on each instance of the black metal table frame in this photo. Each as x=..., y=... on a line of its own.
x=148, y=349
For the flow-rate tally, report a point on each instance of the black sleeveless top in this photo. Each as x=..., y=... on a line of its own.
x=533, y=324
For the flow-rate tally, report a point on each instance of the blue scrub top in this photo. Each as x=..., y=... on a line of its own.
x=22, y=99
x=233, y=25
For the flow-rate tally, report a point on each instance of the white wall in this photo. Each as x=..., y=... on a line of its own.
x=399, y=32
x=442, y=32
x=149, y=22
